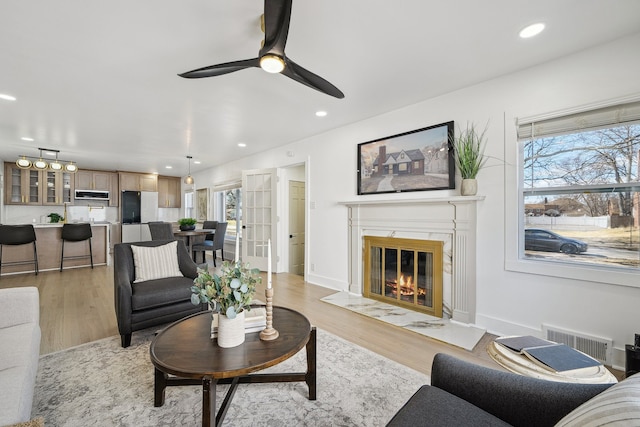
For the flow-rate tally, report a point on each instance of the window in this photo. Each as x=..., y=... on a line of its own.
x=580, y=190
x=229, y=209
x=188, y=205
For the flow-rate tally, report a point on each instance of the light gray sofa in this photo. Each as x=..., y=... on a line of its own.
x=462, y=394
x=19, y=352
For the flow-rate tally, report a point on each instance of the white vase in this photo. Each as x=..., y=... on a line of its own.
x=469, y=187
x=230, y=331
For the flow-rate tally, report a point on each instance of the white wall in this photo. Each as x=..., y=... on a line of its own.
x=508, y=302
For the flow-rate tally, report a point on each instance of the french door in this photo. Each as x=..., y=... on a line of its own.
x=259, y=216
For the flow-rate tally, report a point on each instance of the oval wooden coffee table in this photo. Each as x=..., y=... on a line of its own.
x=186, y=351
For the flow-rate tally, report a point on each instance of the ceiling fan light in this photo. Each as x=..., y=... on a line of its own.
x=71, y=167
x=40, y=164
x=272, y=63
x=23, y=162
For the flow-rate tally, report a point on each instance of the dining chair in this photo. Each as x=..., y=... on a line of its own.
x=161, y=230
x=212, y=245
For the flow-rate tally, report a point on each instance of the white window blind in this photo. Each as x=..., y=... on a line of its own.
x=594, y=119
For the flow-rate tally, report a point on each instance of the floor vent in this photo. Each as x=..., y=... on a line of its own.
x=598, y=348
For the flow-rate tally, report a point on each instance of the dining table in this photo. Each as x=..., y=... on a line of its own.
x=190, y=236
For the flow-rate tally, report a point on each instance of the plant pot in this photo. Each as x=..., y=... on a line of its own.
x=469, y=187
x=187, y=227
x=231, y=331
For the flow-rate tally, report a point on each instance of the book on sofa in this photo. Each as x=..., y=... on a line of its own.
x=548, y=354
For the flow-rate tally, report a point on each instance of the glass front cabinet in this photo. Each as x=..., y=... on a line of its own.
x=34, y=187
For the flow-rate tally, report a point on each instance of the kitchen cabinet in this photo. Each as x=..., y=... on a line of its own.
x=99, y=180
x=58, y=187
x=37, y=187
x=169, y=195
x=130, y=181
x=93, y=180
x=114, y=190
x=22, y=186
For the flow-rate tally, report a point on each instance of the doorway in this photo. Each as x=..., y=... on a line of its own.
x=296, y=227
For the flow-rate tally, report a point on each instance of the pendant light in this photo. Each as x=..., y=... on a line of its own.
x=23, y=162
x=189, y=179
x=56, y=165
x=40, y=164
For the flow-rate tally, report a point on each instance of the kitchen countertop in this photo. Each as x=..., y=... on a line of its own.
x=60, y=224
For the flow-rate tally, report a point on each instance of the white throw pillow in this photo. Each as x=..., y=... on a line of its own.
x=618, y=405
x=156, y=262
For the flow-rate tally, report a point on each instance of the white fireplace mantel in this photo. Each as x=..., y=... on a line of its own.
x=451, y=218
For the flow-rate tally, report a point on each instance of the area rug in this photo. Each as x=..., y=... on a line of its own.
x=102, y=384
x=454, y=333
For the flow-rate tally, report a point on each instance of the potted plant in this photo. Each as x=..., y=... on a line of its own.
x=187, y=224
x=229, y=294
x=468, y=149
x=55, y=217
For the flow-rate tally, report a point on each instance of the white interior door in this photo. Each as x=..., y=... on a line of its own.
x=296, y=227
x=259, y=217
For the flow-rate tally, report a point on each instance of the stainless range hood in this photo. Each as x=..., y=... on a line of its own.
x=92, y=195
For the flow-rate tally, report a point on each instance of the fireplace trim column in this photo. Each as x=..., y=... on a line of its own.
x=455, y=216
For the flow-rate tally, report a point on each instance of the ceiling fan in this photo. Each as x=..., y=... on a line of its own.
x=271, y=57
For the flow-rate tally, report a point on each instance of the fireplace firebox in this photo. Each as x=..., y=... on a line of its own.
x=404, y=272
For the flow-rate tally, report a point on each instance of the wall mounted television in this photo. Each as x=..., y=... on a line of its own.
x=418, y=160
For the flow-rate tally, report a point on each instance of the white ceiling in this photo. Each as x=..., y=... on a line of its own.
x=98, y=80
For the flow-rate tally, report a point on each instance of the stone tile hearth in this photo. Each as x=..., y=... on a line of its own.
x=451, y=332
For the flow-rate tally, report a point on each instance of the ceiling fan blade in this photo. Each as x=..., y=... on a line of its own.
x=277, y=15
x=306, y=77
x=220, y=69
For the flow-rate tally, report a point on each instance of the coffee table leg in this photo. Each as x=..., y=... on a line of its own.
x=208, y=402
x=310, y=377
x=160, y=384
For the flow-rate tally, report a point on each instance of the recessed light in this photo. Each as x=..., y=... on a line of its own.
x=168, y=167
x=7, y=97
x=532, y=30
x=196, y=162
x=242, y=144
x=321, y=113
x=26, y=138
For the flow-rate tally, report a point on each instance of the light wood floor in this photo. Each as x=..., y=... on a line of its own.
x=76, y=306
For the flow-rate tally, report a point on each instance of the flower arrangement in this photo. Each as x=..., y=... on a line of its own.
x=231, y=292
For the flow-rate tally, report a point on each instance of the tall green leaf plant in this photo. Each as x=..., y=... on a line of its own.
x=469, y=148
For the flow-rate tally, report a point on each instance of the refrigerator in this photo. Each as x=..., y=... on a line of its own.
x=138, y=208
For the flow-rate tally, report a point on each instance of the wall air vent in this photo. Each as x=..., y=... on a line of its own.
x=596, y=347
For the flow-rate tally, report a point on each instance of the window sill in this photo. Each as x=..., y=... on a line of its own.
x=604, y=275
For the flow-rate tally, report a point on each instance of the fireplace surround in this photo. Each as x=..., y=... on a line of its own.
x=450, y=220
x=404, y=272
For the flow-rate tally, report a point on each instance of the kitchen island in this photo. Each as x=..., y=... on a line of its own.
x=49, y=246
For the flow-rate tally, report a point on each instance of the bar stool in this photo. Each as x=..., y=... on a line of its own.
x=76, y=233
x=13, y=235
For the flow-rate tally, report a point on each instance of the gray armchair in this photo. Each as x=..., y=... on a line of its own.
x=153, y=302
x=462, y=393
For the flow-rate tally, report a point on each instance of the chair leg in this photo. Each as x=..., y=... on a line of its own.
x=125, y=340
x=35, y=256
x=90, y=252
x=62, y=255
